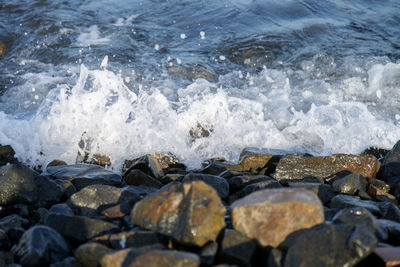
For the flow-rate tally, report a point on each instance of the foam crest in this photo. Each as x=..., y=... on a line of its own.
x=101, y=115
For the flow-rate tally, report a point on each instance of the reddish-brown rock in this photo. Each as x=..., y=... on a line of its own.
x=271, y=215
x=295, y=166
x=191, y=213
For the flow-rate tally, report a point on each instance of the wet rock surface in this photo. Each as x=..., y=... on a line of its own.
x=82, y=175
x=294, y=166
x=40, y=245
x=190, y=213
x=262, y=211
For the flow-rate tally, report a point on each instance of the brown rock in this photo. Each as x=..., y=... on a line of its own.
x=256, y=160
x=295, y=166
x=154, y=258
x=271, y=215
x=390, y=255
x=90, y=254
x=3, y=48
x=191, y=213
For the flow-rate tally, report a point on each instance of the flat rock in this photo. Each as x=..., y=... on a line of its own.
x=350, y=184
x=331, y=245
x=82, y=175
x=295, y=166
x=7, y=153
x=191, y=213
x=41, y=245
x=154, y=258
x=271, y=215
x=345, y=201
x=325, y=192
x=218, y=183
x=256, y=160
x=213, y=166
x=78, y=227
x=90, y=254
x=390, y=211
x=237, y=249
x=92, y=199
x=137, y=177
x=117, y=211
x=172, y=177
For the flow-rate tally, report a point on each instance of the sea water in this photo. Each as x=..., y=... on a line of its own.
x=126, y=78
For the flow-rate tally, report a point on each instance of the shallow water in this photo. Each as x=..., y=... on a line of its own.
x=125, y=79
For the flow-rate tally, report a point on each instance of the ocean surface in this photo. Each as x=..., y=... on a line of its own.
x=199, y=79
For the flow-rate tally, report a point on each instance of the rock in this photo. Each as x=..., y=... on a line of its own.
x=190, y=213
x=155, y=165
x=380, y=185
x=391, y=163
x=331, y=245
x=389, y=255
x=344, y=201
x=137, y=239
x=41, y=245
x=237, y=183
x=4, y=241
x=208, y=253
x=389, y=211
x=392, y=229
x=81, y=175
x=7, y=153
x=296, y=166
x=271, y=215
x=48, y=191
x=137, y=177
x=228, y=174
x=117, y=211
x=350, y=184
x=257, y=161
x=380, y=195
x=213, y=167
x=68, y=261
x=61, y=208
x=13, y=220
x=237, y=249
x=218, y=183
x=67, y=188
x=360, y=216
x=57, y=162
x=200, y=131
x=325, y=192
x=275, y=258
x=193, y=72
x=120, y=258
x=17, y=185
x=379, y=153
x=92, y=199
x=90, y=254
x=3, y=49
x=173, y=177
x=78, y=227
x=154, y=258
x=7, y=259
x=253, y=187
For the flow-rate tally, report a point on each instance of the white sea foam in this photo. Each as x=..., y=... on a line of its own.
x=269, y=110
